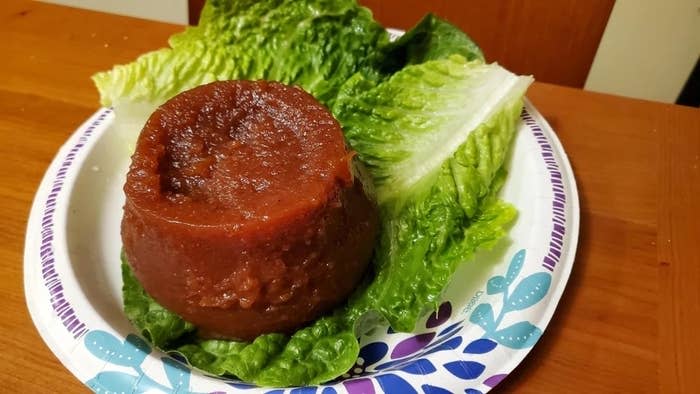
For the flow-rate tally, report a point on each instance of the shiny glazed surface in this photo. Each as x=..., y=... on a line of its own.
x=242, y=213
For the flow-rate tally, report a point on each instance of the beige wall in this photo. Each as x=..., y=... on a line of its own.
x=648, y=49
x=173, y=11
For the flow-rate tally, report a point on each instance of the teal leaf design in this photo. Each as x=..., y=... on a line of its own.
x=113, y=381
x=102, y=344
x=135, y=350
x=122, y=382
x=107, y=347
x=496, y=285
x=518, y=336
x=528, y=292
x=483, y=316
x=178, y=374
x=516, y=264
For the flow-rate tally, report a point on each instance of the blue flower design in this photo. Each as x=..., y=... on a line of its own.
x=407, y=353
x=132, y=352
x=408, y=356
x=528, y=292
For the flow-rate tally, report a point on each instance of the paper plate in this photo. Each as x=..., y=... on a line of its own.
x=495, y=309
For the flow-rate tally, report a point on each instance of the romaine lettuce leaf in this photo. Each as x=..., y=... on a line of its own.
x=316, y=44
x=433, y=137
x=431, y=39
x=315, y=354
x=431, y=122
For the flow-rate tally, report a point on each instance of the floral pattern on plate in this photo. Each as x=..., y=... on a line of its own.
x=469, y=344
x=410, y=356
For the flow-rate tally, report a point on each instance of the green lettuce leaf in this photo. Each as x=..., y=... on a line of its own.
x=314, y=354
x=430, y=121
x=316, y=44
x=434, y=137
x=405, y=127
x=431, y=39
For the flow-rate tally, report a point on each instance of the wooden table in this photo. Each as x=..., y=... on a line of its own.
x=628, y=320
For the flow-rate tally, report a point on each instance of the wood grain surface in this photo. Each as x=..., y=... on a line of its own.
x=627, y=321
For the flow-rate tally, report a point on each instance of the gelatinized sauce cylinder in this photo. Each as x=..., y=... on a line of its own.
x=243, y=213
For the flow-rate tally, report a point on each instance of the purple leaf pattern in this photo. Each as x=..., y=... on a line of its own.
x=440, y=316
x=411, y=345
x=494, y=380
x=359, y=386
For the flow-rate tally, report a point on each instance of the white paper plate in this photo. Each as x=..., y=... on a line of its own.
x=495, y=309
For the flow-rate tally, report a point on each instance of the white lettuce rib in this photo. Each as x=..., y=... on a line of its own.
x=490, y=92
